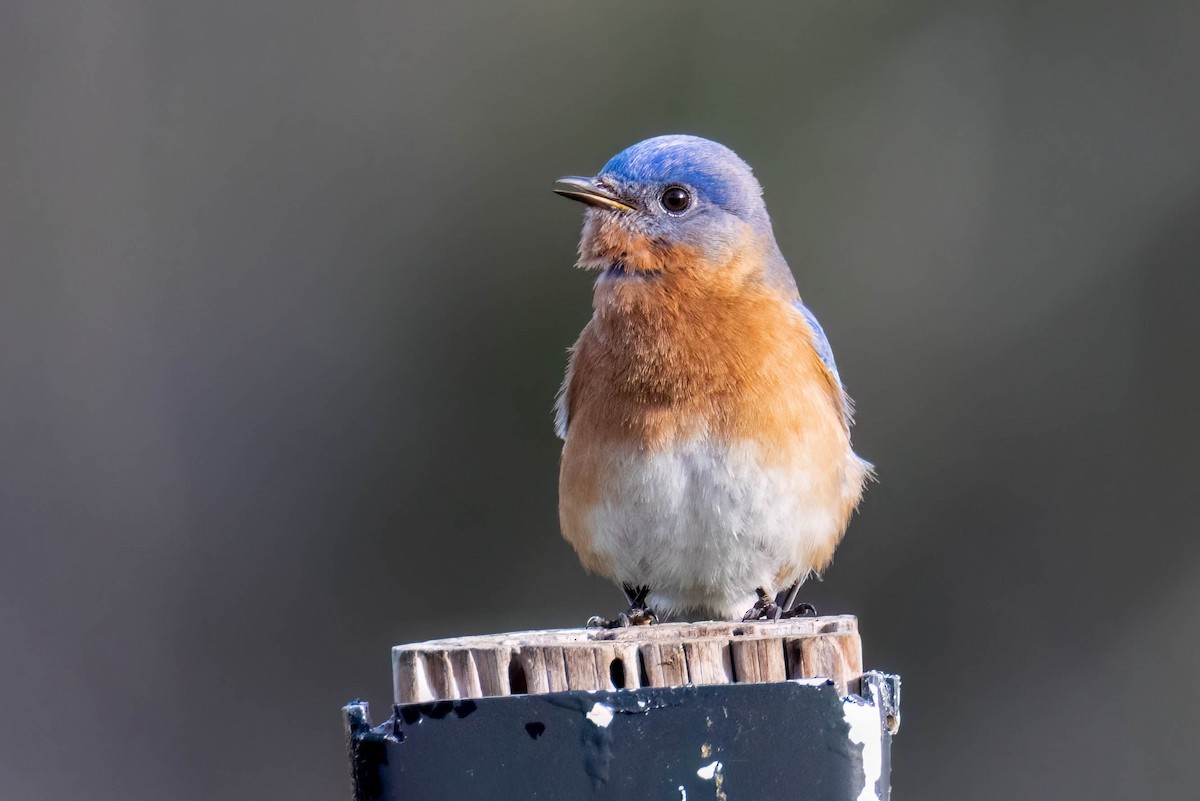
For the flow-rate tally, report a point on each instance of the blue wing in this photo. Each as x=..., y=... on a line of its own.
x=825, y=354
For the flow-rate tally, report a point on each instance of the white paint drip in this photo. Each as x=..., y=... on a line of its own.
x=820, y=682
x=865, y=730
x=682, y=793
x=601, y=715
x=709, y=771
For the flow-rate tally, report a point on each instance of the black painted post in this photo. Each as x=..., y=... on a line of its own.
x=800, y=738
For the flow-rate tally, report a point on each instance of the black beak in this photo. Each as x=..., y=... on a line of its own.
x=586, y=191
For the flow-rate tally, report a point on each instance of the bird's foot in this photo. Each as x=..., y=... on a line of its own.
x=633, y=617
x=800, y=610
x=765, y=608
x=638, y=613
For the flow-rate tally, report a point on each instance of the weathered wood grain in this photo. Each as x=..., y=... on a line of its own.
x=492, y=666
x=663, y=664
x=664, y=655
x=758, y=659
x=837, y=656
x=708, y=661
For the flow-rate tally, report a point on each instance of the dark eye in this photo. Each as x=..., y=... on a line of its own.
x=676, y=199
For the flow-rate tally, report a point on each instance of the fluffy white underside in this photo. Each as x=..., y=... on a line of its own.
x=703, y=524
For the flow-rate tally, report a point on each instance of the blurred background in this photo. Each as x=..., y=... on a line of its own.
x=284, y=303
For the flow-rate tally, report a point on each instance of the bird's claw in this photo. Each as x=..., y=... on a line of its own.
x=765, y=608
x=801, y=610
x=638, y=614
x=634, y=617
x=640, y=617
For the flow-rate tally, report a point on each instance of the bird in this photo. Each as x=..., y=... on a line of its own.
x=706, y=466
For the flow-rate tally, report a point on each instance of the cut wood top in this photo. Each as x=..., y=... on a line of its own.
x=659, y=655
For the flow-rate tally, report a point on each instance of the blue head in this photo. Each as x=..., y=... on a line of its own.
x=716, y=179
x=670, y=195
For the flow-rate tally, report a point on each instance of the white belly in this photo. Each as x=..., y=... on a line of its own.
x=705, y=524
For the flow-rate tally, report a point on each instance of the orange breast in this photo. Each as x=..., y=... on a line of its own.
x=683, y=355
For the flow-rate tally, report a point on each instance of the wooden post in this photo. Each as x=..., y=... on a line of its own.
x=619, y=712
x=667, y=655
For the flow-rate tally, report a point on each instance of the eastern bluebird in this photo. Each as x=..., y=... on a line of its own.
x=706, y=463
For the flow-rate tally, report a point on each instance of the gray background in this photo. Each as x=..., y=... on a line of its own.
x=284, y=298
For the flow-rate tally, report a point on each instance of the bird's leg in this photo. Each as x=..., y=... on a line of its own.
x=638, y=613
x=787, y=600
x=779, y=608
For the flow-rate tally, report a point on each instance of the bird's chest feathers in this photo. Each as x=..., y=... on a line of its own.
x=670, y=355
x=658, y=363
